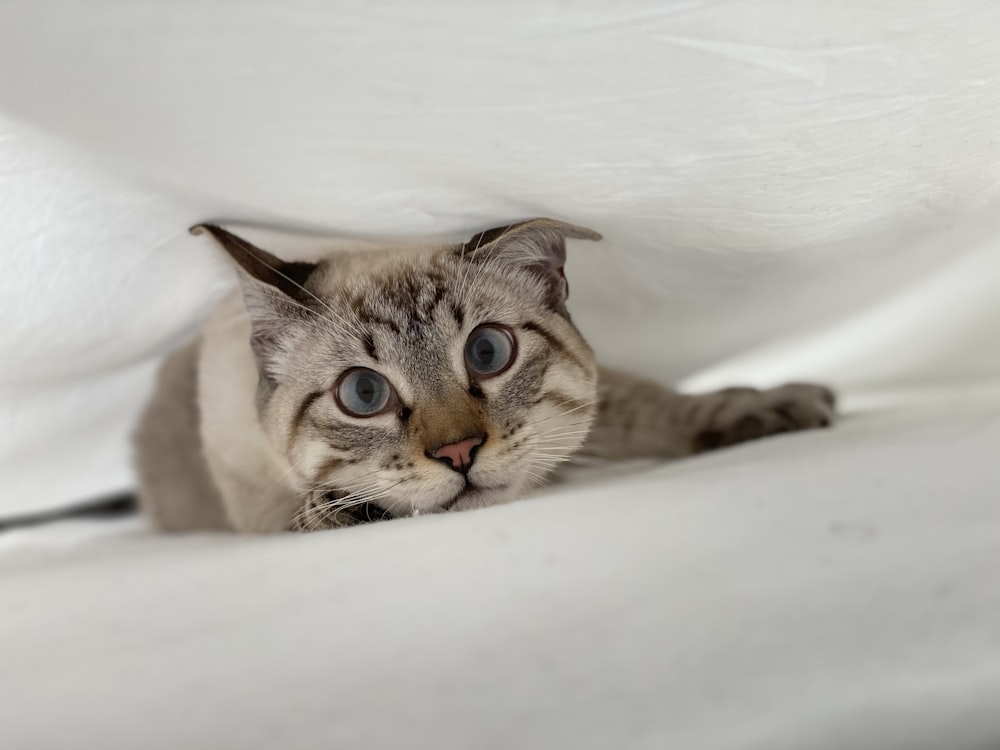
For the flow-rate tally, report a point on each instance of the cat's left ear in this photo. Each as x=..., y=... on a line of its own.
x=538, y=245
x=276, y=298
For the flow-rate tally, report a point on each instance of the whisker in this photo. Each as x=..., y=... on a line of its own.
x=311, y=508
x=347, y=326
x=548, y=436
x=566, y=413
x=249, y=248
x=329, y=509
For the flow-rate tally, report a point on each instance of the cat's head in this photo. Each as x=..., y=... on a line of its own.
x=419, y=381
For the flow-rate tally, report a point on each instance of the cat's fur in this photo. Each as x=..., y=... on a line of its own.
x=244, y=433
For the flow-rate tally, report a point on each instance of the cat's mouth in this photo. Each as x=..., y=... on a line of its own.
x=465, y=492
x=468, y=497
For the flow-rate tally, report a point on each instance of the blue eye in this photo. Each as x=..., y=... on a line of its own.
x=489, y=350
x=363, y=393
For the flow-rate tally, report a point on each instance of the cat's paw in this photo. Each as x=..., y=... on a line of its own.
x=736, y=415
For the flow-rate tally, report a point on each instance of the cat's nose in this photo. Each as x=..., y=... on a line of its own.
x=459, y=455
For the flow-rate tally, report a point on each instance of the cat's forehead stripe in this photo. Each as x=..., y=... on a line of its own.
x=369, y=342
x=370, y=317
x=405, y=302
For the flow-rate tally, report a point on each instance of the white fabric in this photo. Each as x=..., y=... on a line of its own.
x=818, y=592
x=99, y=278
x=787, y=190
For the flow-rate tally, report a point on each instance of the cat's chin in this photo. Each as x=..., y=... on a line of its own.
x=477, y=497
x=470, y=498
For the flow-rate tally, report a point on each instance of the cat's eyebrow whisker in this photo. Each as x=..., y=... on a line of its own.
x=249, y=249
x=333, y=326
x=335, y=319
x=329, y=329
x=356, y=326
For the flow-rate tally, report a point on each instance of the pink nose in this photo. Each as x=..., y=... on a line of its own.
x=459, y=455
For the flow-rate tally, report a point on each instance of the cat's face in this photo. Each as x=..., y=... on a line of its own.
x=411, y=382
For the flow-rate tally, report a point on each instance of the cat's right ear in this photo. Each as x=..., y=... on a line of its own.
x=275, y=295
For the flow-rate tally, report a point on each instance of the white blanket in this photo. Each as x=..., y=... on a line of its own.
x=818, y=592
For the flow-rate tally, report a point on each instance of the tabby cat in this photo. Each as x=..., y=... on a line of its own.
x=392, y=383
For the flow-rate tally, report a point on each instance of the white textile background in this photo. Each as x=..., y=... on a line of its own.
x=787, y=189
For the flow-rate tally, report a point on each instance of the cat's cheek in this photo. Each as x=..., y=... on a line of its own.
x=309, y=462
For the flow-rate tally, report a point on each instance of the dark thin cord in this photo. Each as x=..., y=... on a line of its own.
x=110, y=507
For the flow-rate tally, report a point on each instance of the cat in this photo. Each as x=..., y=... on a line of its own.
x=391, y=383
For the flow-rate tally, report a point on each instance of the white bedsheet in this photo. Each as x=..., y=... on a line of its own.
x=828, y=591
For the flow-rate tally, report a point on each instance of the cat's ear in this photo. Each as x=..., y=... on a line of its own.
x=274, y=293
x=538, y=245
